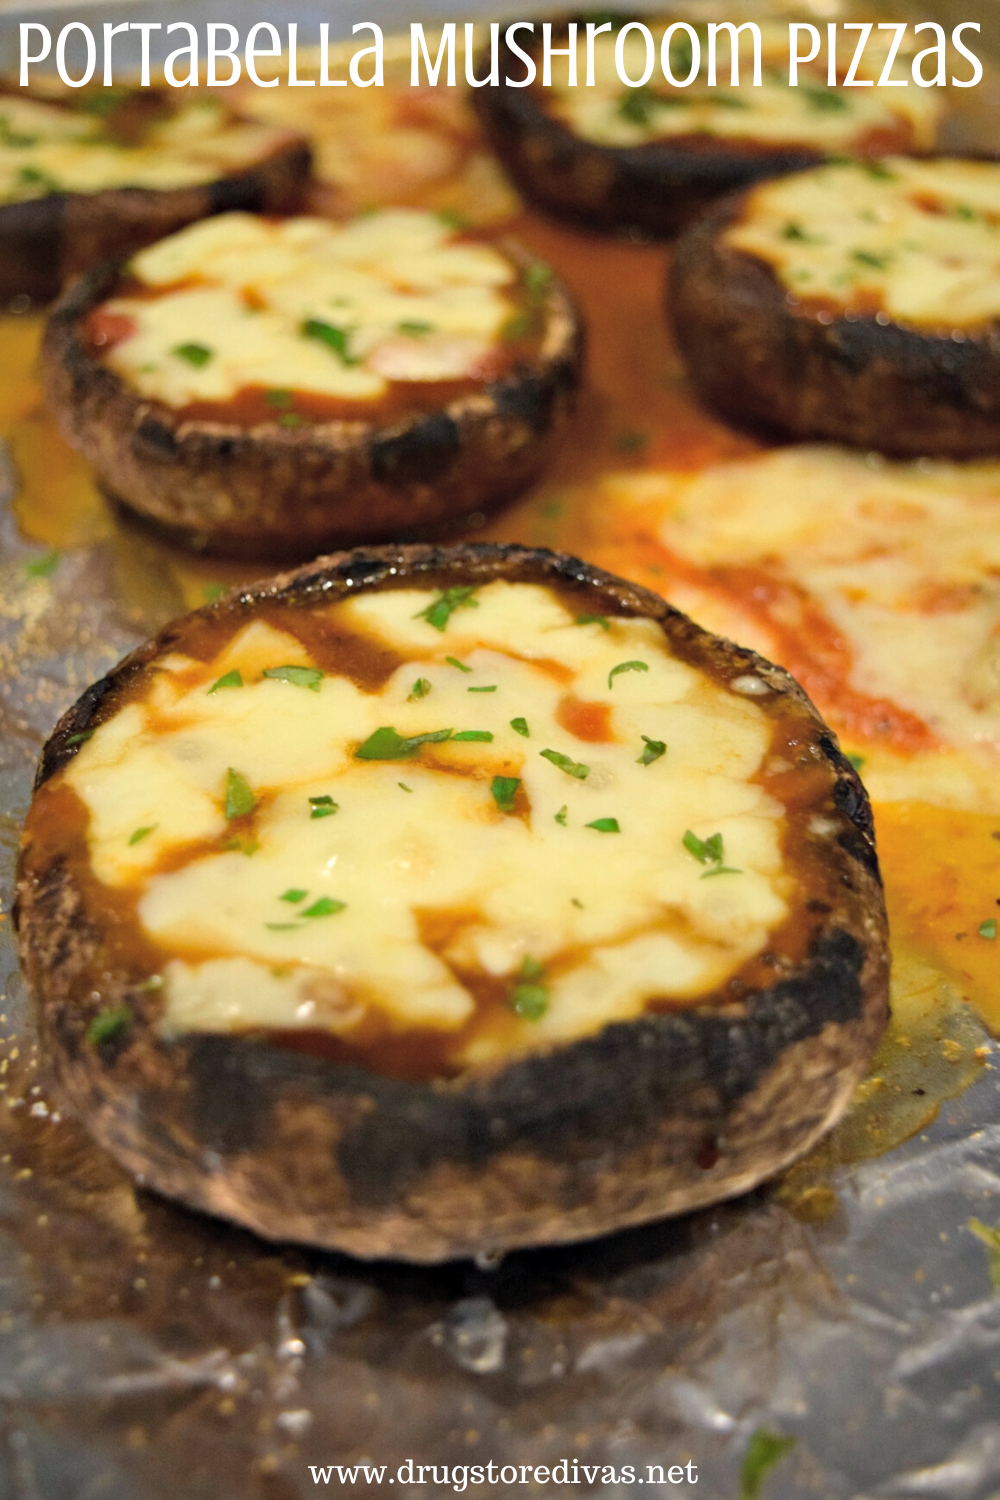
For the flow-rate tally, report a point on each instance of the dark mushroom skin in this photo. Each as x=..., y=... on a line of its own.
x=650, y=190
x=665, y=1113
x=761, y=361
x=279, y=492
x=46, y=241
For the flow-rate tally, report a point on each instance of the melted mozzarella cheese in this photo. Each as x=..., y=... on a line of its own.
x=48, y=149
x=902, y=559
x=617, y=917
x=400, y=299
x=918, y=239
x=811, y=114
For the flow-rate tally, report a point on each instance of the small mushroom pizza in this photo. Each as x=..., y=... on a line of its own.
x=651, y=155
x=429, y=902
x=858, y=302
x=118, y=168
x=271, y=387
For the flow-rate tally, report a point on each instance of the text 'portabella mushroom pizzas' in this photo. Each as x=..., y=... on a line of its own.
x=264, y=386
x=430, y=902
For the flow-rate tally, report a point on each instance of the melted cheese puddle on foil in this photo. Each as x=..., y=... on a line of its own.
x=407, y=301
x=902, y=558
x=633, y=907
x=812, y=114
x=47, y=149
x=920, y=237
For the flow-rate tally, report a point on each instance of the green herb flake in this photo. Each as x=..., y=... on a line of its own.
x=214, y=591
x=282, y=926
x=304, y=677
x=504, y=791
x=765, y=1450
x=721, y=870
x=537, y=277
x=387, y=744
x=108, y=1024
x=326, y=906
x=627, y=666
x=654, y=749
x=278, y=398
x=879, y=171
x=452, y=219
x=231, y=679
x=571, y=767
x=561, y=816
x=78, y=739
x=403, y=787
x=420, y=689
x=575, y=901
x=482, y=735
x=453, y=661
x=241, y=846
x=323, y=807
x=988, y=929
x=530, y=997
x=991, y=1239
x=195, y=354
x=962, y=211
x=520, y=726
x=142, y=833
x=441, y=609
x=869, y=258
x=240, y=800
x=520, y=326
x=604, y=825
x=857, y=761
x=329, y=334
x=43, y=567
x=706, y=851
x=482, y=689
x=291, y=419
x=414, y=329
x=636, y=106
x=154, y=982
x=293, y=895
x=34, y=177
x=601, y=620
x=823, y=100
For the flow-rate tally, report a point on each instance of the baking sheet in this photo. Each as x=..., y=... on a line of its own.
x=147, y=1352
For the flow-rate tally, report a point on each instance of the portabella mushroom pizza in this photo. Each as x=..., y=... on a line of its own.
x=118, y=168
x=262, y=386
x=650, y=155
x=858, y=302
x=429, y=902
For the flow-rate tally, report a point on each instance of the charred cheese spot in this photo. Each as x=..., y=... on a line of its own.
x=771, y=115
x=46, y=148
x=421, y=896
x=918, y=241
x=881, y=594
x=333, y=310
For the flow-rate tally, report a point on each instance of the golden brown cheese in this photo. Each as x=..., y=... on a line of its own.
x=917, y=240
x=338, y=310
x=559, y=813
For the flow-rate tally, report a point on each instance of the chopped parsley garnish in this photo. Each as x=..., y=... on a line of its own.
x=323, y=807
x=988, y=929
x=504, y=790
x=242, y=846
x=561, y=815
x=636, y=106
x=240, y=800
x=869, y=258
x=227, y=680
x=793, y=231
x=141, y=833
x=764, y=1451
x=403, y=787
x=278, y=398
x=414, y=329
x=575, y=901
x=482, y=689
x=473, y=734
x=627, y=666
x=451, y=218
x=537, y=277
x=530, y=996
x=857, y=761
x=962, y=211
x=387, y=744
x=329, y=334
x=823, y=99
x=571, y=767
x=214, y=591
x=291, y=419
x=441, y=609
x=601, y=620
x=294, y=895
x=34, y=177
x=654, y=749
x=708, y=852
x=879, y=171
x=195, y=354
x=305, y=677
x=520, y=726
x=326, y=906
x=43, y=567
x=420, y=689
x=282, y=926
x=605, y=825
x=453, y=661
x=108, y=1024
x=78, y=739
